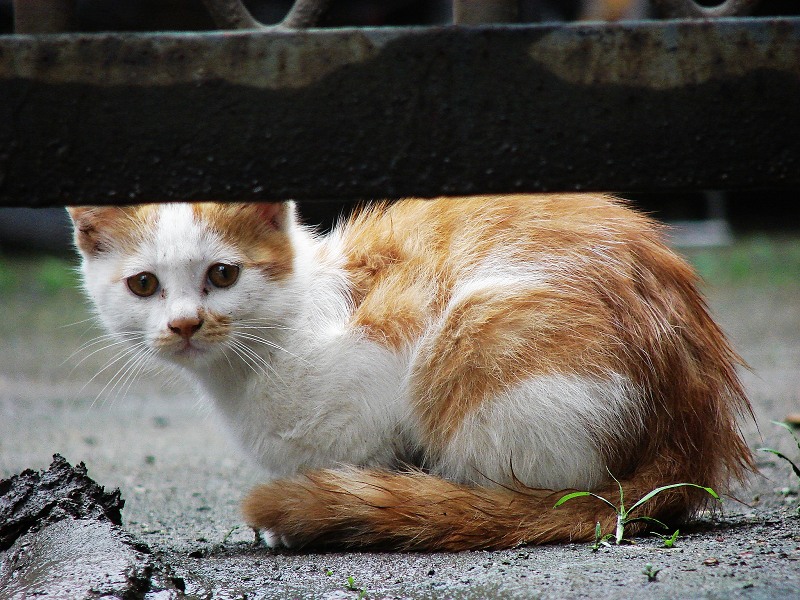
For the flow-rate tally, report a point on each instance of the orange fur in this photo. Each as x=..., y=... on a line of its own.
x=259, y=230
x=98, y=228
x=414, y=511
x=617, y=300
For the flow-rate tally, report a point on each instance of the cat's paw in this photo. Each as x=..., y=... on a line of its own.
x=271, y=539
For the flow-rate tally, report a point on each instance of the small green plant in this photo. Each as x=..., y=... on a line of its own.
x=669, y=540
x=779, y=454
x=624, y=514
x=353, y=587
x=600, y=539
x=651, y=572
x=789, y=428
x=227, y=535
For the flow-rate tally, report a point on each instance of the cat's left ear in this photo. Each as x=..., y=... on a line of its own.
x=278, y=215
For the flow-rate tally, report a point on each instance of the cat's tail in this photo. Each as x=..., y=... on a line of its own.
x=354, y=508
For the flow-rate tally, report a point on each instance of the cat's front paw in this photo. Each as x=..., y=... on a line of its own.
x=271, y=539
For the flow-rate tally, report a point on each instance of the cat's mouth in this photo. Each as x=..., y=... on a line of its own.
x=188, y=350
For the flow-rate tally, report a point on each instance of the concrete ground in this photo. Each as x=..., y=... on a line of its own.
x=182, y=480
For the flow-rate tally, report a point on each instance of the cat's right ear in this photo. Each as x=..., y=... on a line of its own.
x=94, y=227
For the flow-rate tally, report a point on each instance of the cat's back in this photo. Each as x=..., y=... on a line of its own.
x=458, y=233
x=470, y=226
x=408, y=261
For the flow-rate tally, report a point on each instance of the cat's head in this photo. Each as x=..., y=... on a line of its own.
x=188, y=282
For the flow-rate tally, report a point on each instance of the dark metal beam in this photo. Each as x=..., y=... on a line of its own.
x=362, y=113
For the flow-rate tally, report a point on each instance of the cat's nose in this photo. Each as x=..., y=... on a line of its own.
x=185, y=327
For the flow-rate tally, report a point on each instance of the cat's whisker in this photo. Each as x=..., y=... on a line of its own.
x=73, y=324
x=269, y=344
x=225, y=354
x=125, y=351
x=253, y=358
x=103, y=339
x=260, y=361
x=121, y=352
x=130, y=358
x=129, y=369
x=134, y=373
x=239, y=350
x=119, y=335
x=110, y=392
x=140, y=352
x=259, y=324
x=124, y=354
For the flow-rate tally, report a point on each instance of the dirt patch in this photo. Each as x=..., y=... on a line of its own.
x=62, y=537
x=32, y=500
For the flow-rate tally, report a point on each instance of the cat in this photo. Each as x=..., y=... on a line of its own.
x=433, y=373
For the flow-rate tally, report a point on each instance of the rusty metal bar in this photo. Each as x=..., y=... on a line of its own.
x=231, y=14
x=392, y=112
x=305, y=14
x=679, y=9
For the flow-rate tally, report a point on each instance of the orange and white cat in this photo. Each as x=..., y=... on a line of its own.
x=432, y=373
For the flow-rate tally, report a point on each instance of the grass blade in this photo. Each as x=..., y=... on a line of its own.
x=784, y=457
x=621, y=509
x=573, y=495
x=790, y=429
x=648, y=520
x=658, y=490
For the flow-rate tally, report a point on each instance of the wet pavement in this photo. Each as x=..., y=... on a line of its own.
x=182, y=534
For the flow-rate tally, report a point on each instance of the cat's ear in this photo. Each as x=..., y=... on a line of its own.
x=277, y=215
x=95, y=227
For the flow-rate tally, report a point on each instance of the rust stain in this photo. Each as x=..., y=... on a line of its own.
x=669, y=56
x=259, y=60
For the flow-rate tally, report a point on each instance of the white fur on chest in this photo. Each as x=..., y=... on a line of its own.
x=340, y=402
x=327, y=396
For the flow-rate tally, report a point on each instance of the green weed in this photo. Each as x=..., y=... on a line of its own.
x=624, y=514
x=600, y=539
x=353, y=587
x=779, y=454
x=651, y=572
x=669, y=540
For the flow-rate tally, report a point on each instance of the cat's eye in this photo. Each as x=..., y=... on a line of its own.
x=222, y=275
x=143, y=284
